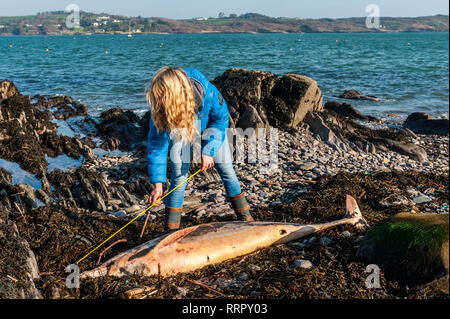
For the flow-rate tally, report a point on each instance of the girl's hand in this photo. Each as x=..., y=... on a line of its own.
x=156, y=194
x=207, y=162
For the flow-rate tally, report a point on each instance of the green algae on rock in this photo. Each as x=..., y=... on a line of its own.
x=412, y=248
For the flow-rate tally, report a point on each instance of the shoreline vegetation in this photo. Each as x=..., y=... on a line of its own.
x=53, y=23
x=398, y=173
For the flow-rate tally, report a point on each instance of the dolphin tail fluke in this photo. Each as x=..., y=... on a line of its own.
x=354, y=213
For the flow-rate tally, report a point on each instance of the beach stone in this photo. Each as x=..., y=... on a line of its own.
x=308, y=166
x=302, y=263
x=409, y=149
x=119, y=214
x=325, y=241
x=410, y=248
x=422, y=199
x=132, y=209
x=346, y=234
x=243, y=276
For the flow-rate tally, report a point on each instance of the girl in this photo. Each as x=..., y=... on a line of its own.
x=183, y=103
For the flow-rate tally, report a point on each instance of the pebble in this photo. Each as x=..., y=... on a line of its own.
x=325, y=241
x=308, y=166
x=303, y=263
x=254, y=267
x=243, y=276
x=346, y=234
x=132, y=209
x=422, y=199
x=119, y=215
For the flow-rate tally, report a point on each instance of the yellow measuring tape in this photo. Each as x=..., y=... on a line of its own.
x=139, y=215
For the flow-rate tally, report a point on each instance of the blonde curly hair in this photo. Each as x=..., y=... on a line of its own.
x=172, y=103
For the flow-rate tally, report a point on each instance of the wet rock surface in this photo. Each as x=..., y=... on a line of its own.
x=423, y=123
x=256, y=98
x=412, y=248
x=356, y=95
x=320, y=160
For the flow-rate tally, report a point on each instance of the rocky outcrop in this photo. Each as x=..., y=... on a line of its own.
x=259, y=98
x=7, y=90
x=59, y=107
x=122, y=129
x=18, y=266
x=345, y=109
x=356, y=95
x=423, y=123
x=27, y=135
x=412, y=248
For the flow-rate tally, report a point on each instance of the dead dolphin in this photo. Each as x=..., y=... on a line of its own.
x=198, y=246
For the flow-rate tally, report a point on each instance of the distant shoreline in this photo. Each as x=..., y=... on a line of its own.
x=215, y=32
x=54, y=23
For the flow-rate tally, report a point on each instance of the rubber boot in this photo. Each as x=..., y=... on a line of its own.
x=172, y=219
x=241, y=207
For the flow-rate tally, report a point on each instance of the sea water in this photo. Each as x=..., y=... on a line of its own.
x=407, y=71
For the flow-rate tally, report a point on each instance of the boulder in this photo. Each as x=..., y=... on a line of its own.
x=411, y=248
x=250, y=118
x=410, y=149
x=356, y=95
x=318, y=126
x=122, y=125
x=344, y=109
x=7, y=90
x=279, y=102
x=59, y=107
x=423, y=123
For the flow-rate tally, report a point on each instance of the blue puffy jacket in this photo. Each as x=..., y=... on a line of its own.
x=213, y=115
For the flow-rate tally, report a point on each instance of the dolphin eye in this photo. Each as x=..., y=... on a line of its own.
x=283, y=232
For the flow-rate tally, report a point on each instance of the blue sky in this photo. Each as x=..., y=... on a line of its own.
x=197, y=8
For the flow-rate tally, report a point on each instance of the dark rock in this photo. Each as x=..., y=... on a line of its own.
x=63, y=107
x=356, y=95
x=318, y=126
x=27, y=135
x=7, y=90
x=423, y=123
x=344, y=109
x=18, y=264
x=122, y=125
x=411, y=248
x=83, y=188
x=111, y=144
x=250, y=118
x=412, y=150
x=279, y=102
x=145, y=122
x=5, y=176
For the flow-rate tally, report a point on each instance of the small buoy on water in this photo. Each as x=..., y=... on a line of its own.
x=10, y=45
x=337, y=41
x=46, y=50
x=409, y=43
x=106, y=52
